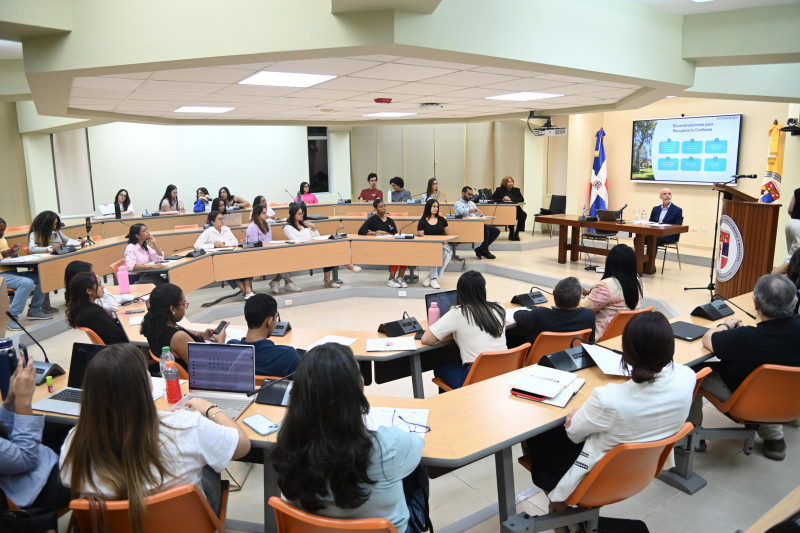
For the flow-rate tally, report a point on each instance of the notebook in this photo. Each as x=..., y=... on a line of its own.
x=68, y=400
x=223, y=374
x=445, y=300
x=542, y=381
x=687, y=332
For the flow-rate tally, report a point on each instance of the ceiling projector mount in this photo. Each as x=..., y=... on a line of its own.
x=545, y=130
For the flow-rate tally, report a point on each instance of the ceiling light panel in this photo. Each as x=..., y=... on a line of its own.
x=285, y=79
x=389, y=114
x=337, y=66
x=523, y=96
x=200, y=109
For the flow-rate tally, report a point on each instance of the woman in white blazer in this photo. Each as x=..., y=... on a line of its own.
x=218, y=235
x=650, y=406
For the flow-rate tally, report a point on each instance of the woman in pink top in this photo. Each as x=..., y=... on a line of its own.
x=620, y=288
x=142, y=254
x=306, y=195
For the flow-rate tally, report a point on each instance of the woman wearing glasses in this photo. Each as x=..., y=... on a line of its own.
x=326, y=460
x=160, y=325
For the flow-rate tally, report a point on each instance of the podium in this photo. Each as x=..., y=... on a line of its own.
x=746, y=249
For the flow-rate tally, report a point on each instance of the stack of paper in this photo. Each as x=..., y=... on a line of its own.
x=394, y=344
x=344, y=341
x=410, y=420
x=609, y=361
x=542, y=381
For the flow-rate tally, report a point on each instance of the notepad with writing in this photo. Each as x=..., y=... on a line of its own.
x=542, y=381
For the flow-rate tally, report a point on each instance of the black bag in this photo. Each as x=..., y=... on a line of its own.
x=416, y=488
x=36, y=520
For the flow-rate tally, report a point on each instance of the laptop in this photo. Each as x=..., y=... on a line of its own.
x=687, y=331
x=444, y=299
x=607, y=215
x=68, y=400
x=106, y=209
x=223, y=374
x=232, y=219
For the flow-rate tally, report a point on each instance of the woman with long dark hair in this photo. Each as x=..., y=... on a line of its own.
x=262, y=200
x=203, y=200
x=107, y=301
x=82, y=311
x=432, y=190
x=122, y=204
x=170, y=201
x=259, y=230
x=433, y=224
x=142, y=254
x=45, y=234
x=305, y=194
x=475, y=324
x=218, y=205
x=382, y=224
x=122, y=448
x=620, y=288
x=232, y=200
x=326, y=459
x=160, y=325
x=652, y=405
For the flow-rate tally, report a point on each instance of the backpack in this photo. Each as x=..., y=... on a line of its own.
x=416, y=488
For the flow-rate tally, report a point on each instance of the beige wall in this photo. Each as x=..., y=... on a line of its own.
x=14, y=207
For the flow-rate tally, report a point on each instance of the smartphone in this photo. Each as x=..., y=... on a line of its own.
x=15, y=248
x=418, y=335
x=220, y=327
x=261, y=424
x=24, y=352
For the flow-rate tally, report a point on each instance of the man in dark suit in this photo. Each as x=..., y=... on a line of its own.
x=667, y=213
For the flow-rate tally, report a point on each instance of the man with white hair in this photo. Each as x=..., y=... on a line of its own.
x=667, y=213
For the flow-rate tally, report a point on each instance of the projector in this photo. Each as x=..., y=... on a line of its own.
x=549, y=132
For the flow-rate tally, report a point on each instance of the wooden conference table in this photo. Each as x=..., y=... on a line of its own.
x=644, y=240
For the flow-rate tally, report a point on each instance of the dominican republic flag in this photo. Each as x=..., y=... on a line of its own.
x=771, y=186
x=599, y=188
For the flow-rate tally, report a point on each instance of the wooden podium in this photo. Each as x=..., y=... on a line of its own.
x=746, y=246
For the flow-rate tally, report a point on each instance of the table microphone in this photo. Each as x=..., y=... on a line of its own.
x=43, y=369
x=290, y=195
x=541, y=289
x=401, y=235
x=270, y=384
x=721, y=297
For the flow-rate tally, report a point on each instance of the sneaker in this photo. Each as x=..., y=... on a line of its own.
x=49, y=310
x=354, y=268
x=489, y=255
x=427, y=282
x=291, y=287
x=435, y=284
x=248, y=296
x=274, y=286
x=403, y=284
x=332, y=284
x=38, y=315
x=13, y=326
x=775, y=449
x=393, y=284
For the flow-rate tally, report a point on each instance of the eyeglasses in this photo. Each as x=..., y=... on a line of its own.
x=185, y=305
x=411, y=427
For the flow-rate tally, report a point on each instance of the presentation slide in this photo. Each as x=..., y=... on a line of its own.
x=686, y=149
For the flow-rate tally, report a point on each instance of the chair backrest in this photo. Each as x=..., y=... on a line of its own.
x=624, y=471
x=770, y=394
x=187, y=226
x=260, y=379
x=177, y=510
x=551, y=341
x=362, y=214
x=617, y=324
x=279, y=204
x=397, y=214
x=290, y=519
x=97, y=238
x=94, y=337
x=491, y=364
x=182, y=373
x=558, y=204
x=700, y=375
x=116, y=264
x=18, y=228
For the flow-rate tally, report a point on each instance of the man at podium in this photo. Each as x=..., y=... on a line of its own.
x=667, y=213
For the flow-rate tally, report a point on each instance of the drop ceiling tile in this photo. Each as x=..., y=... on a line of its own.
x=576, y=88
x=299, y=102
x=337, y=66
x=169, y=96
x=381, y=58
x=75, y=101
x=257, y=90
x=475, y=93
x=357, y=84
x=576, y=99
x=247, y=66
x=470, y=78
x=180, y=87
x=92, y=107
x=527, y=84
x=260, y=108
x=81, y=92
x=567, y=79
x=329, y=94
x=147, y=106
x=435, y=64
x=440, y=99
x=618, y=85
x=232, y=98
x=425, y=89
x=203, y=75
x=396, y=71
x=347, y=104
x=508, y=72
x=370, y=97
x=611, y=93
x=109, y=84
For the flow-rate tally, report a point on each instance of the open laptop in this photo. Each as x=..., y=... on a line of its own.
x=68, y=401
x=607, y=215
x=232, y=219
x=223, y=374
x=444, y=299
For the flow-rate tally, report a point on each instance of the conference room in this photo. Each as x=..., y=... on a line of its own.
x=83, y=121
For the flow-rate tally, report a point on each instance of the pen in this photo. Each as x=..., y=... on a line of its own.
x=133, y=312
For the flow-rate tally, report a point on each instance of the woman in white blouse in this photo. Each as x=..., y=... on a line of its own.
x=218, y=235
x=45, y=235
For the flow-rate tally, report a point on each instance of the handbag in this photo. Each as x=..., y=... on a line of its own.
x=98, y=517
x=35, y=520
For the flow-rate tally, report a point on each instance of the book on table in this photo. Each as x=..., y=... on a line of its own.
x=542, y=381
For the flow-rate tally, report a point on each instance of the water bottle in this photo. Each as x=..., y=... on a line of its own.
x=433, y=313
x=181, y=208
x=8, y=364
x=644, y=216
x=122, y=280
x=170, y=374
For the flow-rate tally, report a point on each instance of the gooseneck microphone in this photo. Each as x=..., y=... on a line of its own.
x=270, y=384
x=721, y=297
x=28, y=333
x=43, y=369
x=401, y=235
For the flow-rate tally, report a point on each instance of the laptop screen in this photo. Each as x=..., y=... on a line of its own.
x=82, y=354
x=444, y=299
x=222, y=367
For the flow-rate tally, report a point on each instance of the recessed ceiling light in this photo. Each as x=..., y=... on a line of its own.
x=701, y=1
x=199, y=109
x=523, y=96
x=389, y=114
x=671, y=96
x=285, y=79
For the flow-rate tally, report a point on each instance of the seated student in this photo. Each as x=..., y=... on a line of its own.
x=399, y=194
x=45, y=235
x=232, y=200
x=741, y=349
x=261, y=314
x=326, y=460
x=23, y=284
x=122, y=204
x=122, y=448
x=620, y=288
x=432, y=191
x=305, y=194
x=201, y=205
x=82, y=311
x=142, y=254
x=567, y=315
x=259, y=230
x=28, y=468
x=506, y=192
x=107, y=301
x=652, y=405
x=464, y=206
x=218, y=235
x=432, y=224
x=262, y=200
x=170, y=202
x=160, y=325
x=371, y=193
x=474, y=324
x=380, y=224
x=218, y=205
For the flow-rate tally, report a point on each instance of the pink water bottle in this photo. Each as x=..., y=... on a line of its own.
x=122, y=280
x=433, y=313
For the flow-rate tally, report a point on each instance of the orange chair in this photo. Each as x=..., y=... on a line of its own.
x=624, y=471
x=397, y=214
x=94, y=337
x=182, y=373
x=618, y=323
x=361, y=214
x=177, y=510
x=290, y=519
x=114, y=267
x=96, y=238
x=279, y=204
x=260, y=379
x=550, y=342
x=491, y=364
x=18, y=228
x=188, y=226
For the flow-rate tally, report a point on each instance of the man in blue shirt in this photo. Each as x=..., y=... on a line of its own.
x=261, y=314
x=466, y=207
x=667, y=213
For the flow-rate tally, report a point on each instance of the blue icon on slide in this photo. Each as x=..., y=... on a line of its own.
x=692, y=147
x=716, y=147
x=669, y=147
x=689, y=164
x=717, y=164
x=668, y=163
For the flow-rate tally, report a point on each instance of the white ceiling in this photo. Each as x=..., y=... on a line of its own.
x=688, y=7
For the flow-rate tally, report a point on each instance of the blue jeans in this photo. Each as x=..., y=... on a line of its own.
x=454, y=374
x=23, y=283
x=437, y=272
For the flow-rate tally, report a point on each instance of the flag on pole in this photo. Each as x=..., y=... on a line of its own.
x=598, y=186
x=771, y=186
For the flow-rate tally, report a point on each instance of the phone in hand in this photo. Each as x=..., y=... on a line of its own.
x=261, y=424
x=220, y=327
x=15, y=248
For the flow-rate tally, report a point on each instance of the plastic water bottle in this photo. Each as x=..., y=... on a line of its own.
x=644, y=216
x=170, y=374
x=433, y=313
x=122, y=280
x=8, y=363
